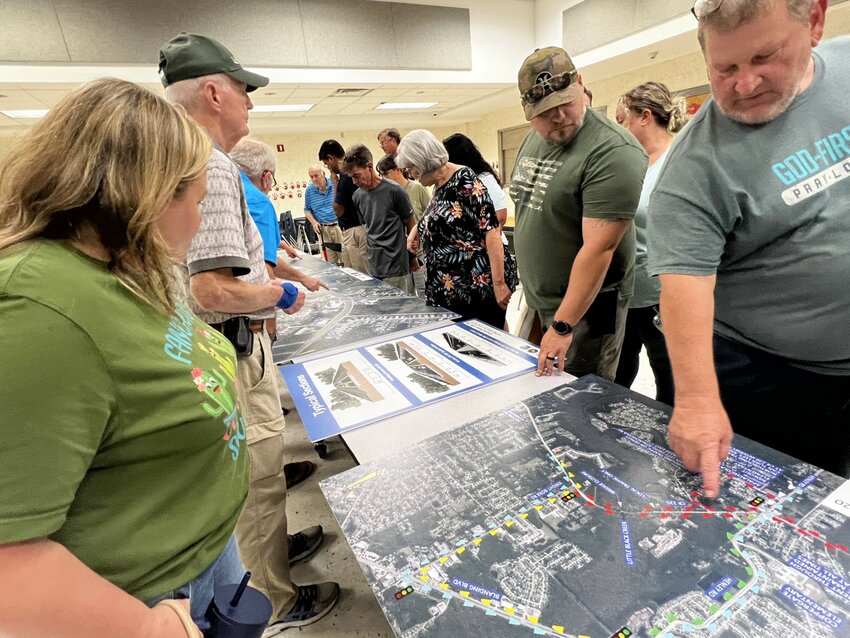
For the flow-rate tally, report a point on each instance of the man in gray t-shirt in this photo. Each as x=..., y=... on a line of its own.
x=388, y=217
x=748, y=230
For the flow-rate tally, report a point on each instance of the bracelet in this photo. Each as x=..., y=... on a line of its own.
x=188, y=624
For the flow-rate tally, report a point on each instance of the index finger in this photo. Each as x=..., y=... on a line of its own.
x=322, y=284
x=709, y=467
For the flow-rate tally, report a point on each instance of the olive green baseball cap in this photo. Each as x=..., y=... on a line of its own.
x=540, y=68
x=190, y=55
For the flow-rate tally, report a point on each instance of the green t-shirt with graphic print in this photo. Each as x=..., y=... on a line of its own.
x=598, y=174
x=123, y=440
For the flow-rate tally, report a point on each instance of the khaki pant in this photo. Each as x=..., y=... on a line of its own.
x=597, y=338
x=331, y=234
x=354, y=249
x=261, y=529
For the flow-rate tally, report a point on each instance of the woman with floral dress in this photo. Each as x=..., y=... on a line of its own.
x=468, y=269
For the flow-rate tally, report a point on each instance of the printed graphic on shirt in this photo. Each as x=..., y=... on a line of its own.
x=217, y=380
x=810, y=171
x=531, y=180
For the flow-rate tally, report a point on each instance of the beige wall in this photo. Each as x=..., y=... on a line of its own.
x=301, y=152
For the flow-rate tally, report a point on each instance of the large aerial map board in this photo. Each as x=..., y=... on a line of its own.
x=343, y=391
x=356, y=308
x=567, y=515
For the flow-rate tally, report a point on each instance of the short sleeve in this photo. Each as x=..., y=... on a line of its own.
x=308, y=196
x=57, y=405
x=345, y=190
x=497, y=195
x=612, y=183
x=424, y=197
x=682, y=237
x=266, y=220
x=403, y=207
x=480, y=204
x=220, y=241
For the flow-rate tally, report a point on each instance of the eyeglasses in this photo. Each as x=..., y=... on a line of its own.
x=546, y=87
x=703, y=8
x=274, y=181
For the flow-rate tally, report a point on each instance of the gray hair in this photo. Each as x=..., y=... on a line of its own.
x=731, y=14
x=187, y=93
x=421, y=149
x=254, y=157
x=317, y=167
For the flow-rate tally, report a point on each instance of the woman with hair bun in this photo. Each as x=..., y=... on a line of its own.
x=653, y=116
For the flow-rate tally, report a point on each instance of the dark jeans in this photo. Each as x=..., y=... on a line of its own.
x=800, y=413
x=487, y=311
x=640, y=332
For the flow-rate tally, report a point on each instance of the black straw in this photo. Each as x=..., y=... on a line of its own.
x=240, y=590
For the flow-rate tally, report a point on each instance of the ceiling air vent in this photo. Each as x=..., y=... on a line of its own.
x=350, y=92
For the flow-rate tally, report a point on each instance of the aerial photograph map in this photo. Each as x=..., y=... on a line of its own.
x=568, y=515
x=355, y=307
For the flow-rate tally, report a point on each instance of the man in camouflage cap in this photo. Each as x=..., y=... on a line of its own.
x=576, y=185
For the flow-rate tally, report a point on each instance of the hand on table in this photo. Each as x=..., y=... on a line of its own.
x=553, y=352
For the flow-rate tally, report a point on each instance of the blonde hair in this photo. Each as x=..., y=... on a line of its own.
x=668, y=111
x=109, y=156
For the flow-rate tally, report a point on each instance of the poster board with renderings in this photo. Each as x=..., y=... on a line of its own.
x=350, y=389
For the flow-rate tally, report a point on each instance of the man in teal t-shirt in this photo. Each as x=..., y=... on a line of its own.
x=749, y=228
x=576, y=185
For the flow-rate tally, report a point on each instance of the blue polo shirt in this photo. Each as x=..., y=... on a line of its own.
x=320, y=205
x=264, y=216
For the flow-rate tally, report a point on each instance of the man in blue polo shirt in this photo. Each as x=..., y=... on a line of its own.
x=319, y=210
x=257, y=166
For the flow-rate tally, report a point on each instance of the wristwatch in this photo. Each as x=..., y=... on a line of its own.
x=562, y=327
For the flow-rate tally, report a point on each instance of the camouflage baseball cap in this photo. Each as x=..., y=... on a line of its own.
x=547, y=79
x=190, y=55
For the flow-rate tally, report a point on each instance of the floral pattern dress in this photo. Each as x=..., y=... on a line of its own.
x=452, y=233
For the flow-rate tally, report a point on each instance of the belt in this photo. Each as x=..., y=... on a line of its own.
x=256, y=325
x=329, y=224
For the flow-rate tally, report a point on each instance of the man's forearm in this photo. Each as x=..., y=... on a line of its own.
x=285, y=271
x=310, y=218
x=586, y=277
x=218, y=292
x=687, y=316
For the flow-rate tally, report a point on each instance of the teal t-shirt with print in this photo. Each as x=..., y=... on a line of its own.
x=123, y=439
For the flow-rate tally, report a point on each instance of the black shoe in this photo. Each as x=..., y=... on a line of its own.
x=312, y=604
x=297, y=472
x=304, y=544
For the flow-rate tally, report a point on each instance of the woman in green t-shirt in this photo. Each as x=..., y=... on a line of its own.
x=124, y=468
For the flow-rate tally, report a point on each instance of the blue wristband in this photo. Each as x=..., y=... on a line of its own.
x=289, y=297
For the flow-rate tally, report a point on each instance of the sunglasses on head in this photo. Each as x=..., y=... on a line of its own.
x=555, y=83
x=703, y=8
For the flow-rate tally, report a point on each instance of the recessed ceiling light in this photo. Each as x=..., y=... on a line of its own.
x=26, y=114
x=282, y=108
x=383, y=106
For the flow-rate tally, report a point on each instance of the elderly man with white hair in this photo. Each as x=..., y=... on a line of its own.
x=236, y=296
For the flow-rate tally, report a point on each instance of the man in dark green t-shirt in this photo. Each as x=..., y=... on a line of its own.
x=576, y=185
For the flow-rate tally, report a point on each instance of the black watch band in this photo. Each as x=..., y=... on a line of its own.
x=562, y=327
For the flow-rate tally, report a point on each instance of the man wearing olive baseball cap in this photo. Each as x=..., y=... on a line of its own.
x=576, y=185
x=233, y=293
